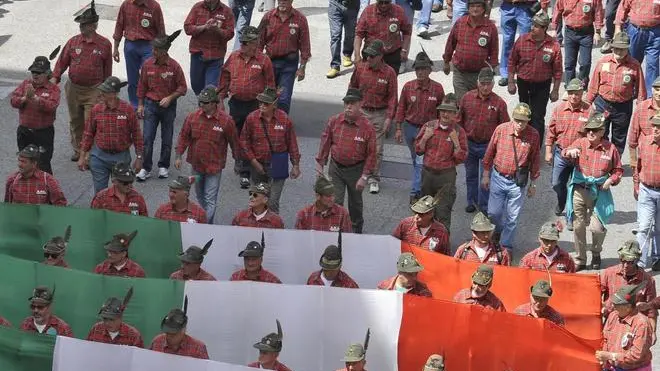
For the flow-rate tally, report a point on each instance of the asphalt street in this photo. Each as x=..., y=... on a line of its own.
x=23, y=36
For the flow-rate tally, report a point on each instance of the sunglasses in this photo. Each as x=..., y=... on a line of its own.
x=254, y=194
x=592, y=130
x=33, y=306
x=51, y=256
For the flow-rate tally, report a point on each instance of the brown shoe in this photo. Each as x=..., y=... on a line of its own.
x=75, y=157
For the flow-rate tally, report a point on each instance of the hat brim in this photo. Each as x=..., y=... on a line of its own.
x=38, y=70
x=330, y=264
x=540, y=294
x=629, y=257
x=188, y=259
x=125, y=178
x=620, y=45
x=39, y=301
x=352, y=359
x=168, y=329
x=415, y=269
x=266, y=99
x=486, y=80
x=422, y=64
x=447, y=107
x=593, y=127
x=84, y=20
x=106, y=315
x=265, y=347
x=480, y=281
x=369, y=51
x=520, y=117
x=420, y=210
x=351, y=99
x=250, y=254
x=115, y=248
x=106, y=89
x=549, y=237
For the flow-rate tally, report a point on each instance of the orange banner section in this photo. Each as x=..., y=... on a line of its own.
x=576, y=296
x=473, y=338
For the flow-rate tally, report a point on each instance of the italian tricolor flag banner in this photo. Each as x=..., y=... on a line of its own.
x=318, y=322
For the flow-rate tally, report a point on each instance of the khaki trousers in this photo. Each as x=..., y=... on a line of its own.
x=583, y=216
x=463, y=82
x=377, y=119
x=80, y=100
x=445, y=182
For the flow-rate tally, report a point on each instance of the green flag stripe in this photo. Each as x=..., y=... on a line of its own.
x=20, y=351
x=25, y=228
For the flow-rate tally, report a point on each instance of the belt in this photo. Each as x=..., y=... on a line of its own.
x=438, y=171
x=342, y=166
x=111, y=151
x=643, y=28
x=506, y=176
x=581, y=29
x=518, y=2
x=23, y=127
x=657, y=189
x=478, y=142
x=373, y=109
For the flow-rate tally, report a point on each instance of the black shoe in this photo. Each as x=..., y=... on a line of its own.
x=75, y=157
x=245, y=183
x=503, y=81
x=558, y=211
x=470, y=209
x=413, y=199
x=580, y=267
x=595, y=262
x=656, y=266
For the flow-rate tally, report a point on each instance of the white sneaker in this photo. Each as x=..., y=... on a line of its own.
x=422, y=31
x=143, y=175
x=163, y=173
x=374, y=188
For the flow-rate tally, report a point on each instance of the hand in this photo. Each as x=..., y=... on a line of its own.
x=177, y=164
x=115, y=55
x=137, y=164
x=531, y=191
x=554, y=95
x=552, y=33
x=643, y=307
x=485, y=182
x=319, y=169
x=258, y=167
x=357, y=58
x=53, y=80
x=597, y=39
x=446, y=68
x=82, y=161
x=29, y=91
x=511, y=88
x=140, y=111
x=548, y=158
x=603, y=356
x=361, y=183
x=300, y=74
x=573, y=153
x=404, y=55
x=636, y=196
x=386, y=126
x=295, y=172
x=398, y=135
x=606, y=186
x=165, y=102
x=428, y=131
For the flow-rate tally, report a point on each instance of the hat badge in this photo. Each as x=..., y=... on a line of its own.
x=405, y=261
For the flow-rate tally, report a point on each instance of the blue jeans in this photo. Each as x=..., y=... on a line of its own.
x=645, y=44
x=285, y=76
x=363, y=4
x=424, y=19
x=153, y=116
x=410, y=133
x=504, y=206
x=513, y=17
x=610, y=13
x=407, y=9
x=578, y=43
x=135, y=53
x=206, y=189
x=341, y=19
x=561, y=173
x=459, y=9
x=476, y=195
x=242, y=10
x=204, y=72
x=101, y=164
x=648, y=212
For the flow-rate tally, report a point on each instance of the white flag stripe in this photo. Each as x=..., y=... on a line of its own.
x=318, y=322
x=293, y=255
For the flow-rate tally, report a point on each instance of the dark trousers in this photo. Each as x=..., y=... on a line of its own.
x=344, y=178
x=536, y=94
x=393, y=60
x=285, y=69
x=577, y=48
x=42, y=138
x=204, y=72
x=610, y=13
x=444, y=183
x=341, y=19
x=239, y=110
x=618, y=114
x=155, y=115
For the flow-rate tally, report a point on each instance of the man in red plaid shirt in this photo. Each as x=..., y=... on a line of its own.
x=117, y=262
x=534, y=63
x=88, y=57
x=406, y=280
x=268, y=141
x=180, y=208
x=205, y=134
x=42, y=320
x=350, y=140
x=640, y=123
x=481, y=248
x=258, y=215
x=479, y=292
x=538, y=306
x=422, y=230
x=55, y=248
x=210, y=25
x=121, y=197
x=112, y=329
x=253, y=257
x=284, y=34
x=549, y=256
x=29, y=185
x=324, y=214
x=269, y=350
x=174, y=340
x=191, y=264
x=110, y=130
x=331, y=273
x=37, y=100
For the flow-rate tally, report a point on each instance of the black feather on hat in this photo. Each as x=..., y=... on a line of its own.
x=165, y=41
x=263, y=241
x=366, y=340
x=55, y=52
x=127, y=298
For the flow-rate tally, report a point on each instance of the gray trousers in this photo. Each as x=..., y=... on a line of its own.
x=276, y=187
x=345, y=178
x=377, y=119
x=443, y=181
x=463, y=82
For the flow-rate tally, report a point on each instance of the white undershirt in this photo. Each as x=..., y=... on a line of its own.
x=113, y=335
x=443, y=127
x=551, y=257
x=260, y=216
x=39, y=327
x=326, y=282
x=119, y=267
x=424, y=230
x=481, y=252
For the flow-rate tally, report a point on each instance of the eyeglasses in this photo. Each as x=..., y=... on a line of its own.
x=51, y=256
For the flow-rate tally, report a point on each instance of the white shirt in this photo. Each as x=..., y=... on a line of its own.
x=550, y=257
x=326, y=281
x=113, y=335
x=119, y=267
x=39, y=327
x=481, y=252
x=424, y=230
x=260, y=216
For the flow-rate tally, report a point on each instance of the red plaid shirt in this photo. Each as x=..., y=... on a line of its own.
x=487, y=301
x=281, y=133
x=471, y=44
x=246, y=218
x=436, y=238
x=130, y=269
x=636, y=352
x=641, y=13
x=277, y=367
x=158, y=81
x=128, y=335
x=113, y=130
x=419, y=101
x=264, y=276
x=617, y=82
x=467, y=252
x=245, y=79
x=139, y=21
x=640, y=123
x=566, y=124
x=37, y=112
x=536, y=63
x=439, y=152
x=348, y=143
x=133, y=203
x=480, y=116
x=378, y=86
x=202, y=275
x=189, y=347
x=561, y=263
x=612, y=278
x=192, y=214
x=548, y=313
x=40, y=188
x=389, y=26
x=500, y=150
x=4, y=322
x=648, y=163
x=332, y=220
x=206, y=140
x=211, y=43
x=578, y=14
x=420, y=288
x=599, y=161
x=283, y=37
x=62, y=328
x=89, y=62
x=342, y=280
